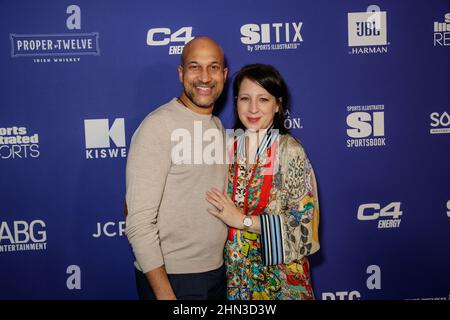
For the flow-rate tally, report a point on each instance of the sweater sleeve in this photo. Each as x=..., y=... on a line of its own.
x=148, y=164
x=293, y=233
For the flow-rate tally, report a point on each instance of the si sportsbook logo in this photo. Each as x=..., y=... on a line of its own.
x=365, y=126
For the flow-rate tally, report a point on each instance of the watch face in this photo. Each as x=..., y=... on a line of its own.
x=248, y=221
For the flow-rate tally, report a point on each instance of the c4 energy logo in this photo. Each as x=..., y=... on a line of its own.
x=365, y=126
x=22, y=236
x=165, y=36
x=272, y=36
x=16, y=142
x=367, y=31
x=57, y=47
x=440, y=123
x=441, y=34
x=374, y=211
x=98, y=135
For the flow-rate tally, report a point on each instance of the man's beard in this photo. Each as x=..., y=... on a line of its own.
x=195, y=101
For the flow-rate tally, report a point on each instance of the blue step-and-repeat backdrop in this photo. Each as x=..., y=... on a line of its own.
x=370, y=101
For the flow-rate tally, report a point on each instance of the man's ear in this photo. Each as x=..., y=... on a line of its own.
x=180, y=73
x=225, y=73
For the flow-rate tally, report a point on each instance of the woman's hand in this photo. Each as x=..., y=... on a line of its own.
x=224, y=209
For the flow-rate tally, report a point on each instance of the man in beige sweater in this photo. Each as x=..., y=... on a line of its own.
x=178, y=245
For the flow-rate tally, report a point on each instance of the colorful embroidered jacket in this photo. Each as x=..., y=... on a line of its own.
x=281, y=188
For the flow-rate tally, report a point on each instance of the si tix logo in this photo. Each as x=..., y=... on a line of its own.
x=164, y=36
x=287, y=32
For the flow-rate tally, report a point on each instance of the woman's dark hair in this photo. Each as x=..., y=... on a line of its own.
x=270, y=79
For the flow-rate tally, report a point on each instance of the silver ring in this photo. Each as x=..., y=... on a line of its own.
x=221, y=209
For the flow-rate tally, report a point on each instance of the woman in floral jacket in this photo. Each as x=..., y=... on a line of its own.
x=271, y=205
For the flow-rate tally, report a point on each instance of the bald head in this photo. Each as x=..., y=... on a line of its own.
x=201, y=43
x=202, y=73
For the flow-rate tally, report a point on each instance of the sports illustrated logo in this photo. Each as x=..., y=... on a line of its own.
x=16, y=143
x=22, y=236
x=388, y=216
x=441, y=34
x=373, y=282
x=272, y=36
x=165, y=36
x=367, y=31
x=98, y=136
x=110, y=229
x=365, y=126
x=291, y=123
x=58, y=47
x=440, y=123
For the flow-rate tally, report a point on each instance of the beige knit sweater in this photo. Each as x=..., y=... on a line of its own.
x=167, y=222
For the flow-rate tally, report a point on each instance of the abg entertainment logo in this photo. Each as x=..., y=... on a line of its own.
x=22, y=236
x=367, y=31
x=165, y=36
x=387, y=216
x=365, y=126
x=16, y=143
x=373, y=282
x=57, y=47
x=441, y=34
x=272, y=36
x=440, y=123
x=98, y=135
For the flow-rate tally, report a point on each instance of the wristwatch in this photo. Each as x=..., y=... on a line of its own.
x=248, y=222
